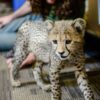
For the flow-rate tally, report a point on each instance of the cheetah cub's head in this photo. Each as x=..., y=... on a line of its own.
x=64, y=34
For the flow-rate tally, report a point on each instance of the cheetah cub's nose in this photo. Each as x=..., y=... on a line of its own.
x=61, y=53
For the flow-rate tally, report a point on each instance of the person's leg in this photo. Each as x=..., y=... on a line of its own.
x=8, y=33
x=14, y=25
x=7, y=40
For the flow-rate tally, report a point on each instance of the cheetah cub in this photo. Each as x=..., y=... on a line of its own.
x=57, y=44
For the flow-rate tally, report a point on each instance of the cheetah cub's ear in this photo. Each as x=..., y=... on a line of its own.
x=79, y=24
x=49, y=24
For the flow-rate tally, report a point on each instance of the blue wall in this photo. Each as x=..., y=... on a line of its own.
x=17, y=4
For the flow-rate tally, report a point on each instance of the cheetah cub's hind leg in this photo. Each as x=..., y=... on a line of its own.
x=84, y=84
x=37, y=71
x=19, y=55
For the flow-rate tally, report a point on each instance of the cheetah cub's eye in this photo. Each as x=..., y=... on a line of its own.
x=68, y=41
x=55, y=41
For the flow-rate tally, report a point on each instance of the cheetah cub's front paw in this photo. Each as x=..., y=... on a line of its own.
x=46, y=87
x=89, y=97
x=16, y=83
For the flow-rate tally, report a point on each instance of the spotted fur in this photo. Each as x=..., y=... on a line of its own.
x=56, y=44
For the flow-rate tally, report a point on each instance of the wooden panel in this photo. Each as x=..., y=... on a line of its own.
x=93, y=22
